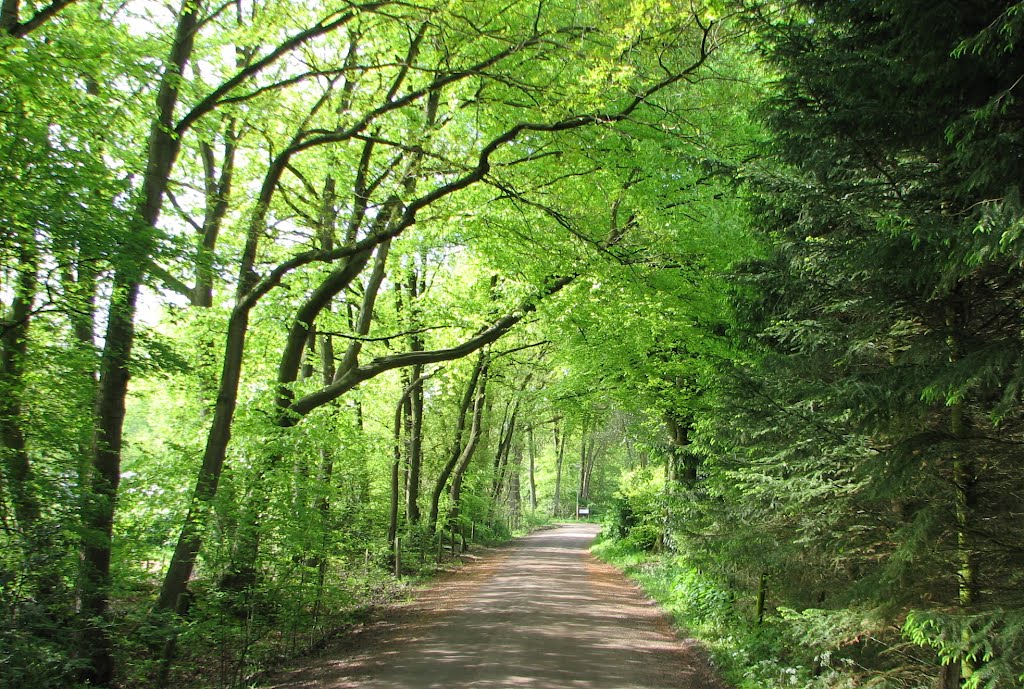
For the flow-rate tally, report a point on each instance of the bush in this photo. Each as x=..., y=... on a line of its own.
x=637, y=515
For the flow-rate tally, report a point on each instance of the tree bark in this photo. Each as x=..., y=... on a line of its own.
x=396, y=467
x=83, y=285
x=99, y=506
x=415, y=455
x=965, y=479
x=762, y=595
x=17, y=466
x=532, y=449
x=501, y=456
x=466, y=457
x=407, y=430
x=456, y=451
x=949, y=676
x=217, y=192
x=556, y=510
x=588, y=468
x=412, y=509
x=326, y=230
x=515, y=488
x=581, y=479
x=10, y=12
x=686, y=463
x=171, y=596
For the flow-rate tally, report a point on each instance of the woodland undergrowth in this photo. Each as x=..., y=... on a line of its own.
x=748, y=655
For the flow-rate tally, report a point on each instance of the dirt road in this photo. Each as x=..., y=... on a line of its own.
x=542, y=613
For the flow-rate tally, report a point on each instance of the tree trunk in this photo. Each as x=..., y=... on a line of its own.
x=592, y=455
x=581, y=487
x=412, y=493
x=171, y=597
x=762, y=595
x=9, y=15
x=531, y=448
x=456, y=451
x=327, y=227
x=407, y=430
x=396, y=467
x=414, y=288
x=965, y=481
x=17, y=466
x=98, y=507
x=686, y=463
x=501, y=457
x=83, y=285
x=515, y=488
x=556, y=511
x=402, y=410
x=217, y=191
x=104, y=477
x=467, y=452
x=949, y=676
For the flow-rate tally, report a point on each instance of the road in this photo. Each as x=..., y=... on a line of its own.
x=541, y=613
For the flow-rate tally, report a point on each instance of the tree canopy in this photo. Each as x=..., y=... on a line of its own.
x=301, y=297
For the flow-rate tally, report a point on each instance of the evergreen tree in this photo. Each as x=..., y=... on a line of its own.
x=878, y=428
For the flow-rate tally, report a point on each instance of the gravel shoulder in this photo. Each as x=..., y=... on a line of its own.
x=540, y=613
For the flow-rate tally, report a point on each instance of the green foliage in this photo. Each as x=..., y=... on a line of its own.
x=789, y=360
x=852, y=430
x=34, y=640
x=848, y=457
x=991, y=640
x=744, y=653
x=638, y=514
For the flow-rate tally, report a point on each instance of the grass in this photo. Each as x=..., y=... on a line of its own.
x=747, y=655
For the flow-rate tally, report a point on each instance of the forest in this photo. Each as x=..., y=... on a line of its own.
x=303, y=297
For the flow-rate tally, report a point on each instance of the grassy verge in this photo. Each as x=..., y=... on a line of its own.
x=746, y=654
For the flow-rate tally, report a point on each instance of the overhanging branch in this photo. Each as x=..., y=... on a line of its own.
x=20, y=30
x=381, y=364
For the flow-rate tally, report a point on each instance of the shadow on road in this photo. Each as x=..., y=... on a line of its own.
x=548, y=617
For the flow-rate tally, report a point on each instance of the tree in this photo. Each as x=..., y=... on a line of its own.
x=316, y=200
x=419, y=85
x=873, y=424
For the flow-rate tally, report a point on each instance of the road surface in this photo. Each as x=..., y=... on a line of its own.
x=541, y=613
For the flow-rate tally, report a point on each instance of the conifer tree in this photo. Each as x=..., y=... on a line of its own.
x=878, y=428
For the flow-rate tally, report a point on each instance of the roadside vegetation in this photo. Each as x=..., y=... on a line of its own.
x=299, y=297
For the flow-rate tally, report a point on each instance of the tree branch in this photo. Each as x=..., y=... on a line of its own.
x=384, y=338
x=213, y=99
x=476, y=174
x=360, y=374
x=169, y=281
x=20, y=30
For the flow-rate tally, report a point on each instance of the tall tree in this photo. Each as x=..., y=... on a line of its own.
x=258, y=176
x=890, y=320
x=130, y=269
x=460, y=444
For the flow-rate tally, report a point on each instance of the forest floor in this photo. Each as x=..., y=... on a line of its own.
x=540, y=613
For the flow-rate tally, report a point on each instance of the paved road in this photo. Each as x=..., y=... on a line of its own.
x=542, y=613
